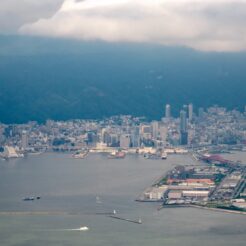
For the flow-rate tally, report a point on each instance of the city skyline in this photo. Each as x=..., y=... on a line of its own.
x=122, y=122
x=130, y=132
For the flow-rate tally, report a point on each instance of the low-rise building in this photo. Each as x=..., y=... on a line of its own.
x=195, y=193
x=156, y=193
x=175, y=194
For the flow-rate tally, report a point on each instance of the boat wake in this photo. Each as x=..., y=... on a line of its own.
x=84, y=228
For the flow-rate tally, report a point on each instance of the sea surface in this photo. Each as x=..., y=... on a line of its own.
x=76, y=193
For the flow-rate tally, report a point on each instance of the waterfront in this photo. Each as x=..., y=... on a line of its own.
x=70, y=186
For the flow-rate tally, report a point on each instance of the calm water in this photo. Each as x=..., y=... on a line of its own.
x=71, y=186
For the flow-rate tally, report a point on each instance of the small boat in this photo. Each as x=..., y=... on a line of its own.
x=80, y=155
x=83, y=228
x=28, y=198
x=164, y=156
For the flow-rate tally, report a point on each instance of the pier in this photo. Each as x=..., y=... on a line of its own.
x=125, y=219
x=105, y=213
x=51, y=213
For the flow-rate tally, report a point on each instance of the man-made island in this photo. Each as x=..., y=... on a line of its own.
x=219, y=184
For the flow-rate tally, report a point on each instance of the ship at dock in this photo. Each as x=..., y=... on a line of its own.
x=117, y=155
x=81, y=154
x=164, y=155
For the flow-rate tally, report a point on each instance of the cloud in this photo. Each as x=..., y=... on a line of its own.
x=15, y=13
x=209, y=25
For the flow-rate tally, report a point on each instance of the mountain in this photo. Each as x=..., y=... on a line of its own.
x=42, y=78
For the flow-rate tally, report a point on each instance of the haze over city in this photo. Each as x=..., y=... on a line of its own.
x=122, y=122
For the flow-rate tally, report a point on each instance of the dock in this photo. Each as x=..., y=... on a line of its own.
x=125, y=219
x=105, y=213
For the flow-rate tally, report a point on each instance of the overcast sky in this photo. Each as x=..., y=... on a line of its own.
x=209, y=25
x=15, y=13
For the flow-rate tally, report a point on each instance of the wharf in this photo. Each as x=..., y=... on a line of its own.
x=105, y=213
x=124, y=219
x=50, y=213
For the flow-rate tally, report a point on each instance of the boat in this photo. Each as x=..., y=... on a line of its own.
x=83, y=228
x=164, y=156
x=151, y=156
x=117, y=155
x=31, y=198
x=80, y=155
x=36, y=153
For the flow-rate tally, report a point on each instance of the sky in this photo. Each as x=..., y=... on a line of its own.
x=207, y=25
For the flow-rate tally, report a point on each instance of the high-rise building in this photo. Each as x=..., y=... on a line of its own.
x=24, y=140
x=145, y=131
x=92, y=138
x=114, y=140
x=144, y=128
x=183, y=128
x=155, y=129
x=183, y=121
x=125, y=141
x=183, y=138
x=168, y=111
x=135, y=139
x=105, y=136
x=190, y=111
x=163, y=134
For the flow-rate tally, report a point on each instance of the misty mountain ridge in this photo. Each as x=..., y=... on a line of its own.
x=42, y=78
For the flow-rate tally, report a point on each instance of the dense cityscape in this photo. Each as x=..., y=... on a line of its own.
x=219, y=184
x=214, y=126
x=122, y=122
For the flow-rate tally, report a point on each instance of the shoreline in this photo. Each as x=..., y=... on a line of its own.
x=219, y=209
x=204, y=208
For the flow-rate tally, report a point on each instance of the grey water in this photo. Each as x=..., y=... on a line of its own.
x=70, y=190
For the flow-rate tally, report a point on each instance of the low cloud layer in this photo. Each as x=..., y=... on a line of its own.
x=15, y=13
x=208, y=25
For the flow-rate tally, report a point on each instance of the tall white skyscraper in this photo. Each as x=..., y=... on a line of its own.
x=168, y=111
x=190, y=111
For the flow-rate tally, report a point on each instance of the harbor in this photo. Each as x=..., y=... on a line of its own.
x=71, y=202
